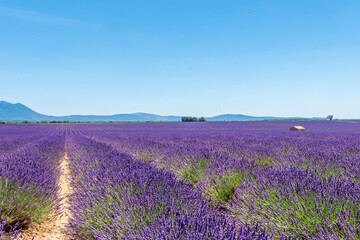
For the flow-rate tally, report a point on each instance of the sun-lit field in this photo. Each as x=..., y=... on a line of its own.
x=221, y=180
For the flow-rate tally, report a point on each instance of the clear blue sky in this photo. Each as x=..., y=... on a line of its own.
x=185, y=57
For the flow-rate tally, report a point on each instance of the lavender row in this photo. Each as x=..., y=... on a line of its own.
x=28, y=183
x=297, y=202
x=238, y=170
x=10, y=143
x=117, y=197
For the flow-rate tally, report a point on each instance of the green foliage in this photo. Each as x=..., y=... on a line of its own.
x=41, y=122
x=194, y=171
x=264, y=161
x=331, y=170
x=221, y=188
x=330, y=117
x=202, y=119
x=192, y=119
x=59, y=122
x=160, y=166
x=145, y=157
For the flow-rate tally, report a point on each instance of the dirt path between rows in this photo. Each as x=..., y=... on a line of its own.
x=55, y=229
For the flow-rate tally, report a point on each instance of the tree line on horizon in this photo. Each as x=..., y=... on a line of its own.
x=192, y=119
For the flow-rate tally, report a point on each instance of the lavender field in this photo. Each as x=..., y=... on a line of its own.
x=202, y=180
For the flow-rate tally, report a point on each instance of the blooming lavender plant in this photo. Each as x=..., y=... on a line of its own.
x=117, y=197
x=297, y=202
x=28, y=182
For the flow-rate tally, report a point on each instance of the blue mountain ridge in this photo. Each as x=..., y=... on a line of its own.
x=20, y=112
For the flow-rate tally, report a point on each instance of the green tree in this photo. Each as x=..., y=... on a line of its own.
x=189, y=119
x=202, y=119
x=330, y=117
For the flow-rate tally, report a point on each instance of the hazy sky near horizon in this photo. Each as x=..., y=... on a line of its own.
x=186, y=57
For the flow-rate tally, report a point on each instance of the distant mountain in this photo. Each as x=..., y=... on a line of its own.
x=134, y=117
x=240, y=117
x=19, y=112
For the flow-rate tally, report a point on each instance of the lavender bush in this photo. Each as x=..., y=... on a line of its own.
x=28, y=182
x=118, y=197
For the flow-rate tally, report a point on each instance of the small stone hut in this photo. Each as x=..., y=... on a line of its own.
x=297, y=128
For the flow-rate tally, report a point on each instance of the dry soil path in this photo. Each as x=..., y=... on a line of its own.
x=55, y=229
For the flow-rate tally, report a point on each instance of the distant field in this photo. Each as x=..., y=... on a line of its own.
x=210, y=180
